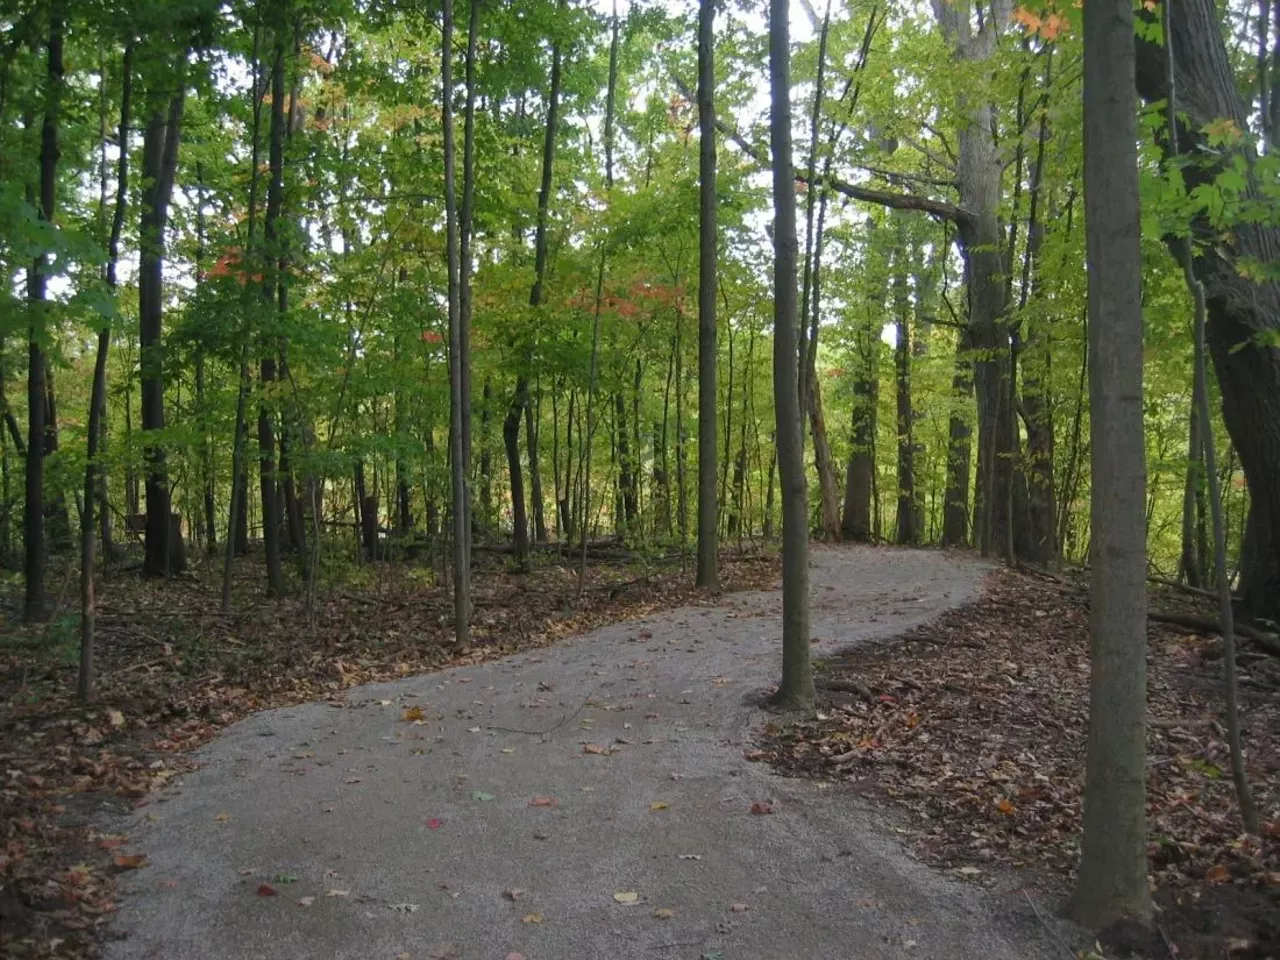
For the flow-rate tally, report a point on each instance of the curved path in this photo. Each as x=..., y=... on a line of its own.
x=391, y=839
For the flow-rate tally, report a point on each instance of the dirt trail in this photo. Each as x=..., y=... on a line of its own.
x=385, y=838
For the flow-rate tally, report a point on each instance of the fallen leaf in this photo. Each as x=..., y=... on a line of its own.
x=531, y=918
x=542, y=802
x=1218, y=874
x=266, y=890
x=627, y=896
x=969, y=871
x=222, y=818
x=338, y=893
x=508, y=749
x=739, y=908
x=690, y=856
x=1004, y=806
x=435, y=823
x=115, y=718
x=413, y=714
x=762, y=807
x=130, y=861
x=481, y=795
x=658, y=805
x=666, y=913
x=350, y=779
x=596, y=750
x=306, y=901
x=285, y=878
x=513, y=895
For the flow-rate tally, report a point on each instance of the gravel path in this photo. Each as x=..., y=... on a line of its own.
x=390, y=839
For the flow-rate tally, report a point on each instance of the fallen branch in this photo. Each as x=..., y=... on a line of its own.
x=847, y=686
x=1267, y=641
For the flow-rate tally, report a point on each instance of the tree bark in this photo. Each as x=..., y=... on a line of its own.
x=795, y=691
x=159, y=167
x=1112, y=882
x=457, y=357
x=50, y=152
x=955, y=510
x=909, y=512
x=1243, y=315
x=708, y=574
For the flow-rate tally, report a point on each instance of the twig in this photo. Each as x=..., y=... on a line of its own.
x=1053, y=935
x=552, y=729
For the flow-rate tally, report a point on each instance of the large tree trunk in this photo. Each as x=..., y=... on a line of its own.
x=979, y=171
x=163, y=554
x=795, y=690
x=708, y=574
x=1112, y=883
x=1243, y=315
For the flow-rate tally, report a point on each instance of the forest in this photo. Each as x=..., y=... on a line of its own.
x=309, y=300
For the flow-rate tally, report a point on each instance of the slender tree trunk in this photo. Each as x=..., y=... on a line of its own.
x=823, y=461
x=908, y=531
x=50, y=153
x=856, y=524
x=268, y=480
x=532, y=417
x=1112, y=883
x=464, y=285
x=795, y=690
x=708, y=574
x=457, y=357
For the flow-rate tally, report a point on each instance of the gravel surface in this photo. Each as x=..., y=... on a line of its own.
x=589, y=800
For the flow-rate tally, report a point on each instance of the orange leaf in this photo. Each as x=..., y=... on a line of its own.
x=266, y=890
x=1004, y=806
x=1218, y=874
x=542, y=802
x=130, y=861
x=761, y=807
x=412, y=714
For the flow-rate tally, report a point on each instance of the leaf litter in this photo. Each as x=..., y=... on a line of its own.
x=174, y=670
x=975, y=728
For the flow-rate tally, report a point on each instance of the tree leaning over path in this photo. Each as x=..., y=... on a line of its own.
x=1112, y=884
x=796, y=689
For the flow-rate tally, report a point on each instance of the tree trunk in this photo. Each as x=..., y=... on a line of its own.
x=955, y=510
x=159, y=166
x=856, y=524
x=909, y=512
x=50, y=152
x=795, y=690
x=1112, y=883
x=1192, y=566
x=511, y=442
x=1243, y=315
x=457, y=357
x=532, y=415
x=268, y=481
x=979, y=169
x=708, y=573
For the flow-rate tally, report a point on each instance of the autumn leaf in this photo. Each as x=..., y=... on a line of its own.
x=435, y=823
x=658, y=805
x=222, y=818
x=513, y=895
x=266, y=890
x=115, y=718
x=1218, y=874
x=627, y=897
x=531, y=918
x=413, y=715
x=665, y=913
x=1004, y=806
x=481, y=796
x=543, y=802
x=762, y=807
x=130, y=861
x=306, y=901
x=596, y=750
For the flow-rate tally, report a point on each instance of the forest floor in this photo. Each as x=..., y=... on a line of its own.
x=596, y=797
x=974, y=727
x=174, y=671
